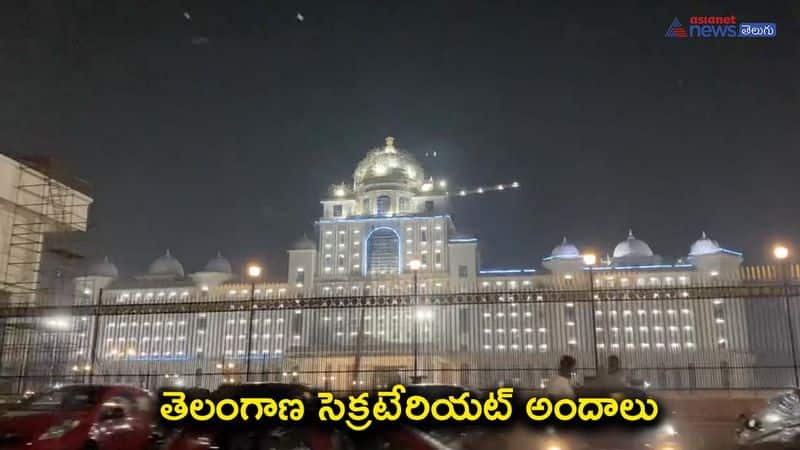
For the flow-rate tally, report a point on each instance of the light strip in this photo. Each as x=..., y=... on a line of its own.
x=506, y=271
x=383, y=218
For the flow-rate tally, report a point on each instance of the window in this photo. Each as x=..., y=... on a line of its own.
x=462, y=271
x=365, y=207
x=438, y=258
x=423, y=236
x=337, y=210
x=383, y=251
x=383, y=205
x=403, y=206
x=300, y=277
x=428, y=206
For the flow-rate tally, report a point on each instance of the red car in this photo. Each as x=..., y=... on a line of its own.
x=80, y=417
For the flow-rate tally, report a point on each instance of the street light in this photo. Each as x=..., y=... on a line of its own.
x=781, y=253
x=415, y=265
x=589, y=259
x=253, y=272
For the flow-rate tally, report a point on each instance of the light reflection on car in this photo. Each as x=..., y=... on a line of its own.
x=777, y=426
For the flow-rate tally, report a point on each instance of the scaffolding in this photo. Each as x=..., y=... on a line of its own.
x=43, y=206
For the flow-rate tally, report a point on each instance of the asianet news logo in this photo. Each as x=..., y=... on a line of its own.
x=724, y=27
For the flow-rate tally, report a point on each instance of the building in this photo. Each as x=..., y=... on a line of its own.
x=35, y=205
x=358, y=321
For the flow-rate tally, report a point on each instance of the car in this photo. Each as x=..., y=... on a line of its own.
x=80, y=417
x=776, y=426
x=233, y=436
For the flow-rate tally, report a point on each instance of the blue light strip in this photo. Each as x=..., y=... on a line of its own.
x=646, y=266
x=550, y=258
x=505, y=271
x=457, y=241
x=732, y=252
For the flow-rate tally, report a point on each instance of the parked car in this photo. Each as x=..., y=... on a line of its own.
x=80, y=417
x=777, y=426
x=256, y=436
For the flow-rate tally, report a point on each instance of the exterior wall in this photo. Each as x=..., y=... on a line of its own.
x=342, y=254
x=463, y=256
x=302, y=271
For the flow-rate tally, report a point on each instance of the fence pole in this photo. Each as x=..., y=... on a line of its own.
x=93, y=349
x=594, y=323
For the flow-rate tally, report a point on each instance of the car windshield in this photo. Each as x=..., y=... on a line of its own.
x=77, y=398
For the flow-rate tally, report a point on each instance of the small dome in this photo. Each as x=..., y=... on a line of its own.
x=219, y=264
x=388, y=164
x=304, y=243
x=565, y=250
x=632, y=247
x=704, y=246
x=104, y=268
x=166, y=265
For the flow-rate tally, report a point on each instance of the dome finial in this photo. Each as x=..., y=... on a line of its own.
x=168, y=253
x=703, y=235
x=564, y=240
x=389, y=144
x=630, y=233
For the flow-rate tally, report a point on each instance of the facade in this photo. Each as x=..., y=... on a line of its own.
x=358, y=321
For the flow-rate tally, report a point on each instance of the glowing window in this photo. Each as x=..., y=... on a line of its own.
x=383, y=251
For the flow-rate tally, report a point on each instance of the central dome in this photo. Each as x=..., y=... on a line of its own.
x=632, y=247
x=388, y=165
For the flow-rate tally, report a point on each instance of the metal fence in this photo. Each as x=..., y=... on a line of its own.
x=677, y=338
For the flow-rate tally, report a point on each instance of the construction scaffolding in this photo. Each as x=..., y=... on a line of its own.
x=40, y=206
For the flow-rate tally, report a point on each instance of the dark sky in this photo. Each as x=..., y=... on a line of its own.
x=222, y=132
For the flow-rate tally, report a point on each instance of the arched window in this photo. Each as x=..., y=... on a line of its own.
x=383, y=204
x=383, y=252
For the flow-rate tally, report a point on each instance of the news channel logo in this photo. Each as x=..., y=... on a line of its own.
x=720, y=27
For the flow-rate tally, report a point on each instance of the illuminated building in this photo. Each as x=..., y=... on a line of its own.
x=370, y=230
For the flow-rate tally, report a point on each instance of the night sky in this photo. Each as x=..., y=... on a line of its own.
x=223, y=131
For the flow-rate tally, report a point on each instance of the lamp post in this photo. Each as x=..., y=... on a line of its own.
x=781, y=253
x=415, y=265
x=253, y=273
x=590, y=260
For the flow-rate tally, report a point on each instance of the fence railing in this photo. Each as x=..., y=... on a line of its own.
x=678, y=338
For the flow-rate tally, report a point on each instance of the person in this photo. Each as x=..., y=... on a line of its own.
x=561, y=385
x=615, y=378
